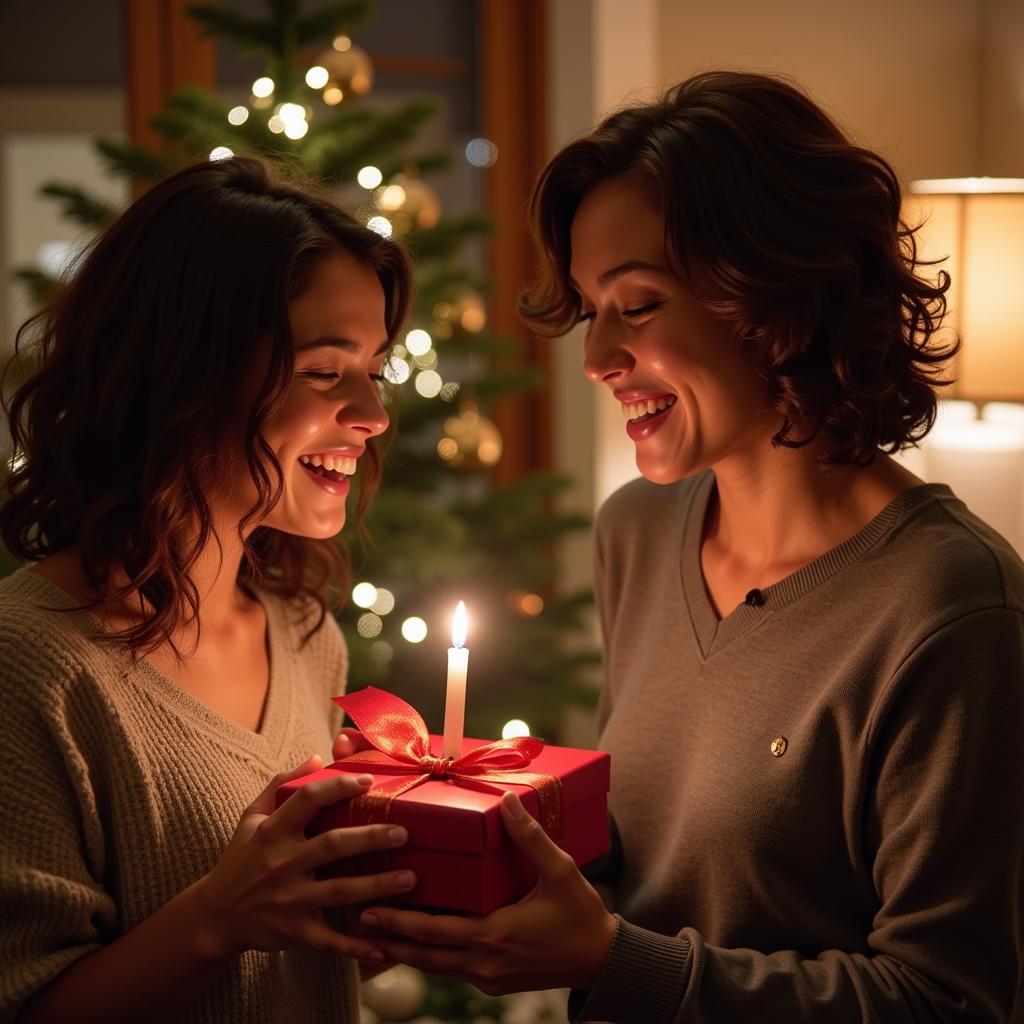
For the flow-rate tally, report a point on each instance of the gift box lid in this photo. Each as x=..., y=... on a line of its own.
x=463, y=814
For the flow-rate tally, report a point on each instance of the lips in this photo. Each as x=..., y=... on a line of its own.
x=645, y=412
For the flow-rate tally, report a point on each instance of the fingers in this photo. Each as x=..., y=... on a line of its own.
x=348, y=842
x=431, y=929
x=321, y=935
x=458, y=962
x=525, y=831
x=297, y=811
x=348, y=742
x=264, y=803
x=342, y=892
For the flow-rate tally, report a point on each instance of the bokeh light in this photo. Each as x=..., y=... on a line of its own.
x=414, y=629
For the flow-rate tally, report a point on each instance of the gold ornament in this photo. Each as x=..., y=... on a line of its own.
x=350, y=71
x=396, y=994
x=471, y=442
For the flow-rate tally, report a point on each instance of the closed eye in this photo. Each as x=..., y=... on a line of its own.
x=321, y=374
x=650, y=307
x=636, y=311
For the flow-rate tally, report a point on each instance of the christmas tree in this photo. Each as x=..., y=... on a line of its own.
x=439, y=530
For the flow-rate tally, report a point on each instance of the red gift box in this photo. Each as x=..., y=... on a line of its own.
x=458, y=848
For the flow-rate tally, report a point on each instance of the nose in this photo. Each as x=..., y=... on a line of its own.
x=605, y=358
x=365, y=413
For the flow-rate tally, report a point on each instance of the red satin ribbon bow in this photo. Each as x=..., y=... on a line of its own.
x=402, y=743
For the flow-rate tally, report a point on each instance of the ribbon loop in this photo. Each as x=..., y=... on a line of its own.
x=398, y=732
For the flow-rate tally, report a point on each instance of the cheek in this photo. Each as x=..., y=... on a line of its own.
x=298, y=421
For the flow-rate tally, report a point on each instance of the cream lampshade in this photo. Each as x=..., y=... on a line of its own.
x=976, y=226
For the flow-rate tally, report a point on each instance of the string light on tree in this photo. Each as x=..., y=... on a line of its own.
x=369, y=177
x=516, y=727
x=418, y=342
x=364, y=594
x=428, y=383
x=238, y=115
x=414, y=629
x=262, y=90
x=317, y=77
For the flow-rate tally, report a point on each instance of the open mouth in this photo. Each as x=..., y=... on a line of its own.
x=330, y=471
x=643, y=417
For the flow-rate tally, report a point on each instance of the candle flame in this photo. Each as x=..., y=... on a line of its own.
x=459, y=626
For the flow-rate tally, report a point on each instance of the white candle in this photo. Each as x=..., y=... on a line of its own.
x=455, y=696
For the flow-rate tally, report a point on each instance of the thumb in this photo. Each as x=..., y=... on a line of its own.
x=526, y=832
x=348, y=742
x=264, y=803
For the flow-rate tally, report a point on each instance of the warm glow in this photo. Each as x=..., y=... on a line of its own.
x=332, y=97
x=220, y=153
x=370, y=177
x=342, y=43
x=263, y=87
x=391, y=198
x=384, y=602
x=414, y=629
x=381, y=225
x=418, y=342
x=295, y=129
x=396, y=370
x=459, y=626
x=317, y=77
x=429, y=383
x=975, y=186
x=238, y=115
x=516, y=727
x=364, y=594
x=276, y=125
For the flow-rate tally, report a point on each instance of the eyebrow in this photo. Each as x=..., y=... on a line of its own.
x=610, y=276
x=345, y=344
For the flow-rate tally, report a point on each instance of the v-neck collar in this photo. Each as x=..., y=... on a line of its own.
x=713, y=634
x=267, y=740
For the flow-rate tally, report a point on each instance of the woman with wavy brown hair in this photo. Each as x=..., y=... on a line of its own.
x=207, y=385
x=815, y=661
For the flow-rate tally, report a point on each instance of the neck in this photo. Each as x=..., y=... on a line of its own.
x=781, y=507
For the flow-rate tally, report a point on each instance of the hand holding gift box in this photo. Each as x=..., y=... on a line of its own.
x=458, y=848
x=450, y=804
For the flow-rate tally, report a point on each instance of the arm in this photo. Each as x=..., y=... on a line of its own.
x=944, y=843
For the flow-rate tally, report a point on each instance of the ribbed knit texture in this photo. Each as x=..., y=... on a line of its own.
x=118, y=790
x=875, y=870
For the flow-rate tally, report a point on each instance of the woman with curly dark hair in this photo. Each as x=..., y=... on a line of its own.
x=207, y=385
x=815, y=661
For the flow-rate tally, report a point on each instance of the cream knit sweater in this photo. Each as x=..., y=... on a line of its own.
x=118, y=790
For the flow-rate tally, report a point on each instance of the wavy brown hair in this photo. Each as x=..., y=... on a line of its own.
x=120, y=431
x=778, y=223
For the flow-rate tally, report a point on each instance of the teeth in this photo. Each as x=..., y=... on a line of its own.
x=634, y=410
x=336, y=463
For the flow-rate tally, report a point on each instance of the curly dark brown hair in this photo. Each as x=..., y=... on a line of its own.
x=137, y=394
x=778, y=223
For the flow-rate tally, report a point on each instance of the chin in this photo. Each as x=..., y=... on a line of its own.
x=662, y=472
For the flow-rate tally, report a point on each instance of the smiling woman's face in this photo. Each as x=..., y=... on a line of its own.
x=688, y=400
x=332, y=406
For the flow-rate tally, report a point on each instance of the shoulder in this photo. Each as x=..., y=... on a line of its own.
x=944, y=563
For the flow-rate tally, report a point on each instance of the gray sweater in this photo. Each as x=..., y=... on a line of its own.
x=118, y=790
x=820, y=798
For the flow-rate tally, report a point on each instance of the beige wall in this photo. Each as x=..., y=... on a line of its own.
x=1001, y=117
x=903, y=76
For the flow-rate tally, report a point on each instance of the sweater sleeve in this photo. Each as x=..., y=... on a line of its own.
x=943, y=845
x=55, y=909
